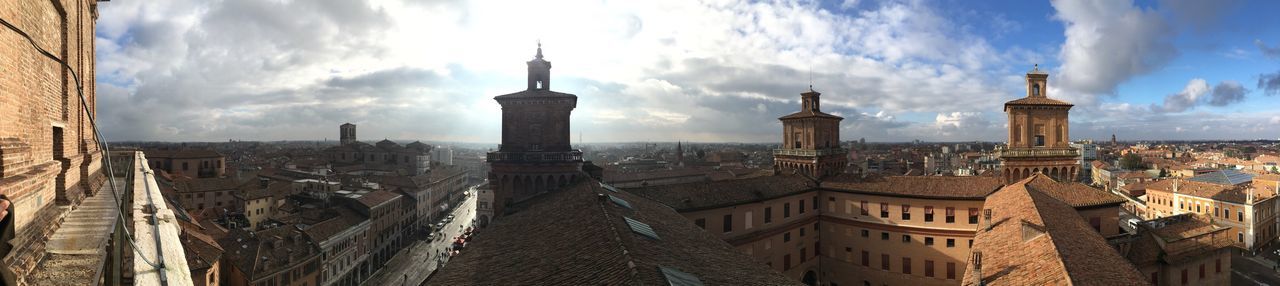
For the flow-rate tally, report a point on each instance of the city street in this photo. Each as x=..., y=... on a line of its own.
x=1255, y=270
x=413, y=264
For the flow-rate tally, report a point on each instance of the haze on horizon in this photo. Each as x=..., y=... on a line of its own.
x=703, y=71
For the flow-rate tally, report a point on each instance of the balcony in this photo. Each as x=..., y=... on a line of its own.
x=810, y=153
x=534, y=157
x=1037, y=152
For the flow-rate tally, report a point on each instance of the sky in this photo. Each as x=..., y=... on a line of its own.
x=687, y=70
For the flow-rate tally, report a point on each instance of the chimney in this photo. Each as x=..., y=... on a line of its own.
x=986, y=217
x=977, y=266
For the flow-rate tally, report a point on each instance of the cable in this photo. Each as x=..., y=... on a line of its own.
x=103, y=146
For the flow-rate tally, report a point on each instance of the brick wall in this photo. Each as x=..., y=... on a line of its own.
x=36, y=95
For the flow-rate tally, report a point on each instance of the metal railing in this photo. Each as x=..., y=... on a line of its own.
x=804, y=152
x=567, y=156
x=1068, y=152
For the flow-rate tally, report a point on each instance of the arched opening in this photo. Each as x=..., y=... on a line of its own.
x=810, y=278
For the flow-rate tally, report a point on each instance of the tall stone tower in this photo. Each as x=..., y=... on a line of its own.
x=810, y=140
x=347, y=133
x=1038, y=134
x=535, y=155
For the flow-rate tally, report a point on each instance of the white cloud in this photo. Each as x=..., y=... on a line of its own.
x=1109, y=42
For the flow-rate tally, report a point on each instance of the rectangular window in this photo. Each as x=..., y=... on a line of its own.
x=973, y=216
x=906, y=212
x=803, y=255
x=1240, y=215
x=786, y=237
x=884, y=262
x=768, y=215
x=928, y=268
x=928, y=241
x=864, y=208
x=951, y=242
x=951, y=215
x=802, y=232
x=786, y=210
x=786, y=262
x=884, y=210
x=951, y=270
x=1096, y=223
x=928, y=213
x=866, y=259
x=866, y=233
x=884, y=236
x=906, y=265
x=728, y=222
x=1184, y=277
x=815, y=202
x=747, y=220
x=1202, y=271
x=1217, y=265
x=702, y=222
x=906, y=238
x=801, y=206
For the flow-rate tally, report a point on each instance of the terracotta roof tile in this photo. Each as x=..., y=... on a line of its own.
x=1036, y=240
x=1226, y=193
x=1076, y=195
x=573, y=237
x=707, y=195
x=919, y=186
x=1036, y=101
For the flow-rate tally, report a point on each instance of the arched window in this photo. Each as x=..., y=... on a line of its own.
x=1035, y=89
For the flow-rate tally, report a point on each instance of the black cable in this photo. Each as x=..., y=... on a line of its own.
x=103, y=144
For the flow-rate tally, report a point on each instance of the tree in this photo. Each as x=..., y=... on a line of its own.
x=1131, y=161
x=1164, y=172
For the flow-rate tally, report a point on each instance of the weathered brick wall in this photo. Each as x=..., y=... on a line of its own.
x=36, y=95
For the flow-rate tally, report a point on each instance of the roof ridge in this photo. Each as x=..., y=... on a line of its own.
x=617, y=236
x=1036, y=205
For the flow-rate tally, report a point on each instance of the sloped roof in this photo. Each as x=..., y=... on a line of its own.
x=535, y=93
x=182, y=154
x=1224, y=177
x=205, y=185
x=1226, y=193
x=972, y=187
x=1036, y=101
x=1076, y=195
x=809, y=114
x=576, y=237
x=714, y=194
x=1177, y=239
x=1038, y=240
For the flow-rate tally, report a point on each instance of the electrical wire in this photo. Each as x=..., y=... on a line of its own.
x=104, y=147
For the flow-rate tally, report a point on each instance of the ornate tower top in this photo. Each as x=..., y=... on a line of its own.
x=1037, y=82
x=539, y=71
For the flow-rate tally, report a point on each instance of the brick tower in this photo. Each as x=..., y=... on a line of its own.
x=1038, y=134
x=347, y=133
x=810, y=140
x=535, y=155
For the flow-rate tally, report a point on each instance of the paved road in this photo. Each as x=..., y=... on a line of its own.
x=412, y=265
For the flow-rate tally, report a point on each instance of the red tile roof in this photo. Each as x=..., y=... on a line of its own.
x=576, y=237
x=716, y=194
x=1036, y=101
x=1038, y=240
x=1076, y=195
x=937, y=187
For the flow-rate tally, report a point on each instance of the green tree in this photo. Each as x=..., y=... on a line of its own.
x=1164, y=172
x=1131, y=161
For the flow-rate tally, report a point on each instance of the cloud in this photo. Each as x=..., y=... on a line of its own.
x=1199, y=15
x=1269, y=83
x=1227, y=92
x=1109, y=42
x=1270, y=52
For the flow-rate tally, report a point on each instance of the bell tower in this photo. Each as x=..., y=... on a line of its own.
x=1039, y=136
x=810, y=140
x=535, y=156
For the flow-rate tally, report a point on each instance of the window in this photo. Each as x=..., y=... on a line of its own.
x=864, y=207
x=951, y=270
x=951, y=215
x=928, y=241
x=1241, y=235
x=768, y=215
x=801, y=209
x=928, y=213
x=184, y=166
x=906, y=265
x=702, y=222
x=746, y=220
x=1202, y=271
x=816, y=251
x=866, y=259
x=1240, y=215
x=815, y=202
x=1039, y=140
x=906, y=238
x=973, y=216
x=786, y=237
x=802, y=232
x=884, y=210
x=1215, y=211
x=951, y=242
x=786, y=262
x=928, y=268
x=884, y=236
x=1096, y=223
x=866, y=233
x=906, y=212
x=1226, y=213
x=728, y=223
x=1184, y=277
x=786, y=210
x=884, y=262
x=1217, y=265
x=803, y=255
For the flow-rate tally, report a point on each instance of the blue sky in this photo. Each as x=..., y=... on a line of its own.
x=711, y=71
